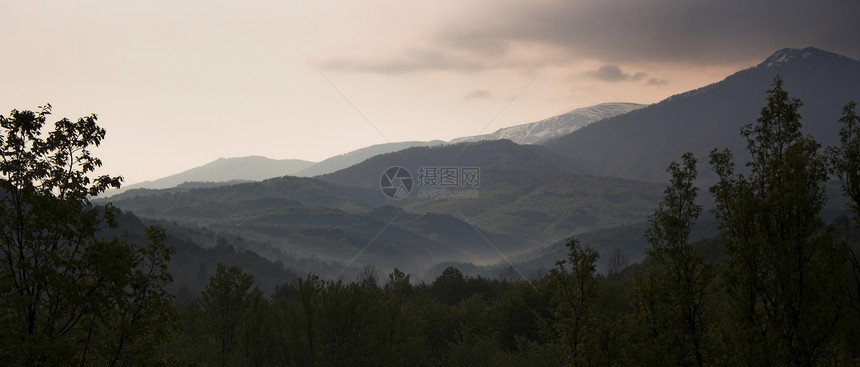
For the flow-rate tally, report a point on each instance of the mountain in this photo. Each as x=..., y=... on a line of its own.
x=313, y=225
x=223, y=201
x=531, y=133
x=344, y=219
x=225, y=170
x=640, y=145
x=521, y=191
x=553, y=127
x=345, y=160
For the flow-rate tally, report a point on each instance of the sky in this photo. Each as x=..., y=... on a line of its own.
x=179, y=83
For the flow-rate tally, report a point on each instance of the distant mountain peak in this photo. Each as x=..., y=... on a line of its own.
x=791, y=56
x=224, y=171
x=785, y=56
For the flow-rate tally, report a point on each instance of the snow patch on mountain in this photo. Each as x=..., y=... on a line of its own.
x=788, y=56
x=556, y=126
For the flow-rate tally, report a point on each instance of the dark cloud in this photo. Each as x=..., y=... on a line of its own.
x=478, y=94
x=622, y=32
x=656, y=82
x=613, y=73
x=609, y=73
x=696, y=32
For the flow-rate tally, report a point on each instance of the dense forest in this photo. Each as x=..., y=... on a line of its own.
x=779, y=286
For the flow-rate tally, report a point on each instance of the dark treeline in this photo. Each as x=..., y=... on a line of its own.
x=777, y=287
x=572, y=316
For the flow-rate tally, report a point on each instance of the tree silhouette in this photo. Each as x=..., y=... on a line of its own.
x=72, y=294
x=785, y=271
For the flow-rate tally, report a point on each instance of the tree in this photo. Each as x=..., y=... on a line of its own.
x=845, y=164
x=450, y=286
x=367, y=278
x=346, y=317
x=617, y=262
x=845, y=159
x=785, y=272
x=674, y=291
x=71, y=293
x=224, y=302
x=398, y=343
x=393, y=302
x=509, y=274
x=300, y=303
x=140, y=313
x=256, y=334
x=577, y=290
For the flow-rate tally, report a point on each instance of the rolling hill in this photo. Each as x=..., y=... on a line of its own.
x=522, y=191
x=292, y=218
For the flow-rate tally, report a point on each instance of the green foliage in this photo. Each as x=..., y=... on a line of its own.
x=671, y=223
x=845, y=164
x=450, y=286
x=577, y=291
x=398, y=343
x=71, y=295
x=785, y=272
x=224, y=303
x=675, y=293
x=845, y=158
x=471, y=349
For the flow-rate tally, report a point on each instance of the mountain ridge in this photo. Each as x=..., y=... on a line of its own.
x=552, y=127
x=521, y=192
x=293, y=218
x=345, y=160
x=639, y=145
x=224, y=170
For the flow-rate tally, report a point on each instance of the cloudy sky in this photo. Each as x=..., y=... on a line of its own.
x=180, y=83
